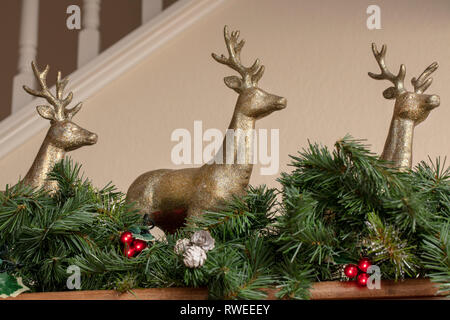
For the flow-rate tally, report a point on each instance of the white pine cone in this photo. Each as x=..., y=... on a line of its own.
x=203, y=239
x=181, y=246
x=194, y=257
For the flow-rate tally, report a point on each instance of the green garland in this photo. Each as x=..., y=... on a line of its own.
x=335, y=207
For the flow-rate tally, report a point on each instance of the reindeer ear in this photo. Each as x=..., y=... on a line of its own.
x=234, y=83
x=71, y=112
x=46, y=112
x=390, y=93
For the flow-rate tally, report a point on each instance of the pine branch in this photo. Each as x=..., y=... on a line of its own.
x=436, y=255
x=384, y=244
x=295, y=280
x=18, y=205
x=336, y=206
x=302, y=233
x=239, y=217
x=248, y=281
x=46, y=233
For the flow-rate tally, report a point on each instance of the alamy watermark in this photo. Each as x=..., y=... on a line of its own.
x=374, y=281
x=73, y=22
x=74, y=280
x=238, y=146
x=374, y=20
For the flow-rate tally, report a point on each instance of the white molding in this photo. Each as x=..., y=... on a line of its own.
x=96, y=74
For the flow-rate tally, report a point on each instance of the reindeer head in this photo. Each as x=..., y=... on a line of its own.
x=63, y=133
x=253, y=101
x=415, y=106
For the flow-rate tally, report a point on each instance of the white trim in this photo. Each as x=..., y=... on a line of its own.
x=129, y=51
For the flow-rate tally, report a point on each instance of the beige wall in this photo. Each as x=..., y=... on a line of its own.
x=317, y=54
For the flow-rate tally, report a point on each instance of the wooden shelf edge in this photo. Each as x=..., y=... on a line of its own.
x=141, y=294
x=337, y=290
x=327, y=290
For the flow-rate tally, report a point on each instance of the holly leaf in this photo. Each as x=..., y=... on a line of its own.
x=11, y=286
x=145, y=237
x=135, y=230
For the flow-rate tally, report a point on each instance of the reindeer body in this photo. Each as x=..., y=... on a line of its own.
x=169, y=196
x=63, y=135
x=411, y=108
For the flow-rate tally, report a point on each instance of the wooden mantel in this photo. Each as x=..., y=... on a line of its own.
x=327, y=290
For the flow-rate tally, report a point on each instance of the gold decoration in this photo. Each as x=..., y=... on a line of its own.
x=411, y=108
x=63, y=135
x=168, y=196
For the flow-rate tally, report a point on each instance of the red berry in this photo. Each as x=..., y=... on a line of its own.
x=351, y=271
x=362, y=279
x=129, y=252
x=139, y=245
x=364, y=264
x=126, y=237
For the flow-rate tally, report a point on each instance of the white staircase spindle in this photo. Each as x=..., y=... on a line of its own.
x=28, y=42
x=89, y=36
x=150, y=9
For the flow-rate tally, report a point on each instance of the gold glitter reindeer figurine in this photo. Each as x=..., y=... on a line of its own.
x=63, y=135
x=168, y=196
x=411, y=108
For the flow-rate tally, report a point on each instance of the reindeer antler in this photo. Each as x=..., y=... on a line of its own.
x=58, y=103
x=250, y=75
x=385, y=74
x=423, y=82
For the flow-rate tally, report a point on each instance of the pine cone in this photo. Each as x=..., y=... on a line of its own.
x=181, y=246
x=203, y=239
x=194, y=257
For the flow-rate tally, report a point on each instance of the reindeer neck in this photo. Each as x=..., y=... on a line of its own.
x=398, y=145
x=243, y=127
x=238, y=166
x=43, y=164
